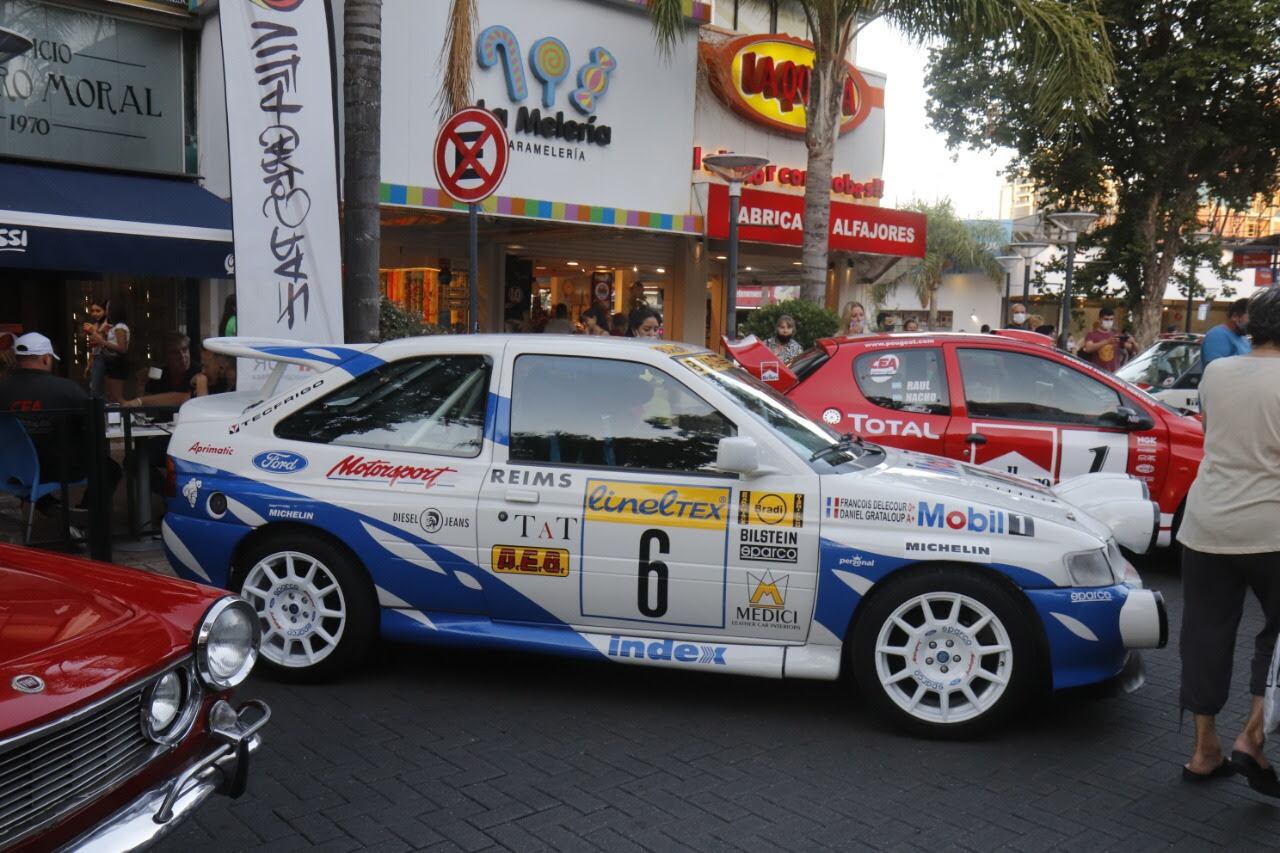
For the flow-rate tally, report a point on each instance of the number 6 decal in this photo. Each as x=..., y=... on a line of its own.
x=655, y=568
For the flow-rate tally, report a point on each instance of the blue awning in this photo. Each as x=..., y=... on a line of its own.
x=79, y=220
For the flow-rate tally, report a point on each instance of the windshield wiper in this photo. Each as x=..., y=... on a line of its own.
x=847, y=442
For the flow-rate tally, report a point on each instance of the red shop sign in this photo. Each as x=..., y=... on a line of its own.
x=778, y=218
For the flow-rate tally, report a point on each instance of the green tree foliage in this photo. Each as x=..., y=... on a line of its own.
x=1194, y=115
x=812, y=321
x=1060, y=42
x=394, y=322
x=952, y=245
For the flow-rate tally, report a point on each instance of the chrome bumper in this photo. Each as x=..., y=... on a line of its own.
x=223, y=770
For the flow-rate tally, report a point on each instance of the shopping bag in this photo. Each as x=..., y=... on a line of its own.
x=1271, y=698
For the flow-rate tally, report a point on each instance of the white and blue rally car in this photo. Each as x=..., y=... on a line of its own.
x=645, y=503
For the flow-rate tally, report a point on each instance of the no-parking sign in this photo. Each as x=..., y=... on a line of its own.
x=471, y=155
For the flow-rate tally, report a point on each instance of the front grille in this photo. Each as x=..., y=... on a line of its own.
x=58, y=767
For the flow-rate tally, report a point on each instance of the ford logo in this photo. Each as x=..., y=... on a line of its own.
x=279, y=462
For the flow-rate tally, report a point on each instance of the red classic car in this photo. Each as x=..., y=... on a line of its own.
x=1008, y=401
x=115, y=721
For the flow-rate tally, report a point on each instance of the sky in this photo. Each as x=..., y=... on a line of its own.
x=917, y=164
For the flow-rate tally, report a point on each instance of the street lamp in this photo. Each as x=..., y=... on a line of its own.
x=733, y=169
x=12, y=44
x=1028, y=250
x=1071, y=223
x=1008, y=263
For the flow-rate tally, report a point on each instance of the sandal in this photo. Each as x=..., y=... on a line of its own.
x=1261, y=779
x=1222, y=771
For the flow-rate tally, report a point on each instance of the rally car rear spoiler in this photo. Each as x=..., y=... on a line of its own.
x=350, y=357
x=761, y=362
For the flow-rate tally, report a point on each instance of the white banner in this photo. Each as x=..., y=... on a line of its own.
x=284, y=175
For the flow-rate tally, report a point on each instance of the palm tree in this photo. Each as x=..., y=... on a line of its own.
x=951, y=246
x=1062, y=44
x=362, y=167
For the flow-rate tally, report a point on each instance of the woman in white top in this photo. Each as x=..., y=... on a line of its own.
x=108, y=338
x=1230, y=535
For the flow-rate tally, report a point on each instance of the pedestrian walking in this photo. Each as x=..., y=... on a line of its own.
x=595, y=321
x=853, y=320
x=1231, y=543
x=913, y=325
x=1103, y=346
x=559, y=324
x=1227, y=339
x=227, y=324
x=783, y=344
x=1018, y=317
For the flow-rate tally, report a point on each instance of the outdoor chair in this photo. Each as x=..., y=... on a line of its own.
x=20, y=469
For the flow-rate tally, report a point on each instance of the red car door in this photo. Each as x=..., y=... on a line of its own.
x=889, y=392
x=1041, y=416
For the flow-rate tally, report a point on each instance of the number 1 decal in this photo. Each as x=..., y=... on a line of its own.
x=1099, y=458
x=655, y=568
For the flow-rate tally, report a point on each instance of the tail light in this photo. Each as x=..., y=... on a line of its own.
x=170, y=478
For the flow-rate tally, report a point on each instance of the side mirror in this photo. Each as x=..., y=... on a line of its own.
x=1130, y=419
x=737, y=454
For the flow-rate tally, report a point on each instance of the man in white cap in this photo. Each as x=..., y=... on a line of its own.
x=31, y=389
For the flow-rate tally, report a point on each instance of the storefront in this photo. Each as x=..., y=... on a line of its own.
x=751, y=94
x=595, y=204
x=98, y=166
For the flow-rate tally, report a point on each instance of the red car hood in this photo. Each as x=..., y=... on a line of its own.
x=85, y=628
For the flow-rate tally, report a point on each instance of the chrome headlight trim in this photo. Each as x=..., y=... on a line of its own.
x=206, y=636
x=189, y=704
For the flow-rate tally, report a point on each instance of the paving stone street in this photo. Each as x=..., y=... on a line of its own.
x=443, y=750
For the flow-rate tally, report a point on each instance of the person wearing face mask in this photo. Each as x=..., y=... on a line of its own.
x=1018, y=317
x=1227, y=339
x=1104, y=346
x=783, y=344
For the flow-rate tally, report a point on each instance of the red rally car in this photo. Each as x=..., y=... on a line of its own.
x=1007, y=401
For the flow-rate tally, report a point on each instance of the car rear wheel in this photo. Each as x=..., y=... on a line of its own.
x=315, y=606
x=944, y=652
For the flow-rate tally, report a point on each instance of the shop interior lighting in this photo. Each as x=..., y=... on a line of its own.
x=797, y=263
x=722, y=257
x=748, y=269
x=572, y=263
x=661, y=271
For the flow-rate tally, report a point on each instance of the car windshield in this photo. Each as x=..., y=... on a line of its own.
x=1161, y=365
x=806, y=437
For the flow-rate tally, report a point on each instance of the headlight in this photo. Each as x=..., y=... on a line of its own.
x=227, y=643
x=1089, y=568
x=169, y=704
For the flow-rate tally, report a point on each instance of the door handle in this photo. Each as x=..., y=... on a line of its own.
x=521, y=496
x=975, y=438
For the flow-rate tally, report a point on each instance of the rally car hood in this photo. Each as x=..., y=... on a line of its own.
x=939, y=478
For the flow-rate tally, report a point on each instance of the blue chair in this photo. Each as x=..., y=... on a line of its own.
x=20, y=468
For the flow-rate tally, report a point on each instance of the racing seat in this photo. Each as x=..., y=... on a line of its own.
x=20, y=469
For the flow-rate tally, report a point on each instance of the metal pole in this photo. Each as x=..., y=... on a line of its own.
x=731, y=279
x=473, y=272
x=1063, y=330
x=1191, y=289
x=1026, y=282
x=1004, y=305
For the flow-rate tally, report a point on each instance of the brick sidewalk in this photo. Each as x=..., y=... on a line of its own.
x=446, y=749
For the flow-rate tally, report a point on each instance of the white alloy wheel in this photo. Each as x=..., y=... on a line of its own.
x=944, y=657
x=300, y=605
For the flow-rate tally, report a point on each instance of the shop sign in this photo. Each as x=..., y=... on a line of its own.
x=778, y=218
x=92, y=90
x=765, y=79
x=1251, y=260
x=1263, y=277
x=550, y=65
x=791, y=176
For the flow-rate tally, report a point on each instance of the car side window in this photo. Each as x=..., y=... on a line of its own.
x=910, y=380
x=434, y=404
x=1003, y=384
x=567, y=410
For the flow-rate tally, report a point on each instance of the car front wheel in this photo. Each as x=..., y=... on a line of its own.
x=314, y=604
x=944, y=652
